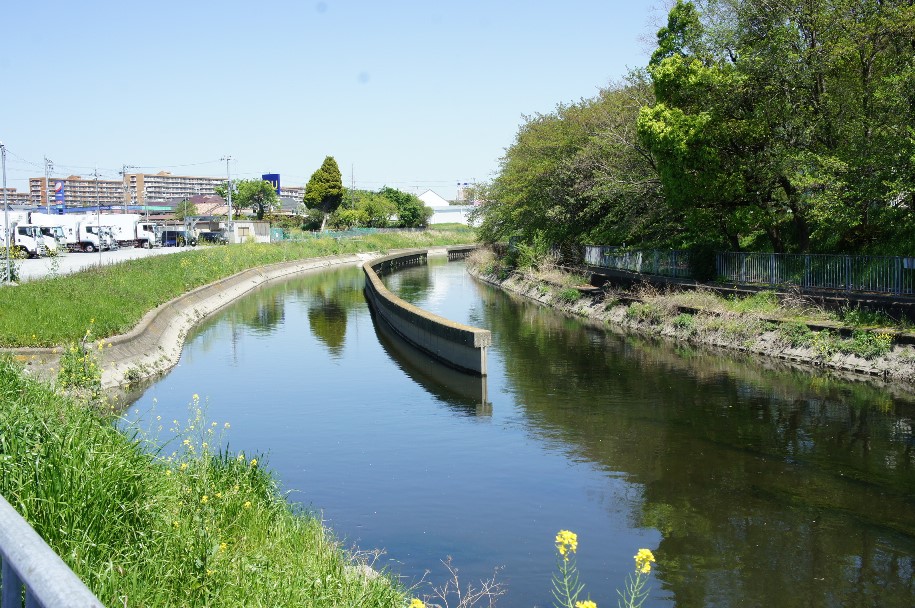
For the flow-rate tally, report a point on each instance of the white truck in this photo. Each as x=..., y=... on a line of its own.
x=129, y=229
x=80, y=230
x=22, y=236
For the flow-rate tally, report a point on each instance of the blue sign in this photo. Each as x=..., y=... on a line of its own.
x=59, y=191
x=274, y=179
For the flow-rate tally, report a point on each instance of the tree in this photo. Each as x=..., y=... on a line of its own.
x=411, y=211
x=185, y=209
x=324, y=190
x=257, y=194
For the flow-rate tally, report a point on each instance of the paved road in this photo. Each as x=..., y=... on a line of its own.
x=29, y=270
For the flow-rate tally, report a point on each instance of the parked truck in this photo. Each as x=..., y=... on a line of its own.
x=23, y=237
x=130, y=230
x=80, y=231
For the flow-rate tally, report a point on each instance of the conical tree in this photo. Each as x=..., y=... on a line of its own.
x=324, y=190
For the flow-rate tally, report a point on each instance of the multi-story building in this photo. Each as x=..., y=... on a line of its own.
x=77, y=191
x=133, y=189
x=15, y=198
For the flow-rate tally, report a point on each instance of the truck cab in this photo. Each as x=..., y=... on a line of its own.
x=27, y=238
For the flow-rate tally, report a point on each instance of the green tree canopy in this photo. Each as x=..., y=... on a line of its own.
x=257, y=194
x=185, y=209
x=324, y=190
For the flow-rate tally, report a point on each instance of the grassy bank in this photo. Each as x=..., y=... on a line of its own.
x=186, y=527
x=787, y=326
x=58, y=310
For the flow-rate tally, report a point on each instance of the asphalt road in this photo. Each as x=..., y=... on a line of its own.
x=70, y=262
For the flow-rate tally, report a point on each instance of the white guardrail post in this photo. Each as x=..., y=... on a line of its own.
x=29, y=563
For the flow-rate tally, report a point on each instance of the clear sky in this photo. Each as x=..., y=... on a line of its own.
x=415, y=95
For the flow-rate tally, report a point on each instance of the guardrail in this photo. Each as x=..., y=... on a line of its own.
x=31, y=568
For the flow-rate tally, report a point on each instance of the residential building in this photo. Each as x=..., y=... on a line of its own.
x=134, y=189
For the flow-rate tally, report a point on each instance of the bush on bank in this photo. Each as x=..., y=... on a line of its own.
x=113, y=299
x=187, y=528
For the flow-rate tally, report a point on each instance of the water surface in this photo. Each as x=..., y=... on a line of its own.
x=753, y=484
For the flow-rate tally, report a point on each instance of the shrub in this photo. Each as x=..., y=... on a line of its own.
x=569, y=295
x=685, y=322
x=868, y=345
x=795, y=334
x=644, y=312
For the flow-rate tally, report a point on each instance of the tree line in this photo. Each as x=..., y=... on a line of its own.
x=327, y=203
x=768, y=125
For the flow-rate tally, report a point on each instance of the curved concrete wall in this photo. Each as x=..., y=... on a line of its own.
x=458, y=345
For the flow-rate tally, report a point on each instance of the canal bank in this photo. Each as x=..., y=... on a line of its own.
x=893, y=370
x=154, y=345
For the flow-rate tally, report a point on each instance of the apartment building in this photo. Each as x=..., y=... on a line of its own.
x=77, y=191
x=13, y=197
x=133, y=189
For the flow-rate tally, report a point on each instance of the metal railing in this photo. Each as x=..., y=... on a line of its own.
x=30, y=568
x=868, y=273
x=862, y=273
x=671, y=263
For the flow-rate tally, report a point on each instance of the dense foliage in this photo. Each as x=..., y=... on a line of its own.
x=758, y=124
x=386, y=208
x=257, y=194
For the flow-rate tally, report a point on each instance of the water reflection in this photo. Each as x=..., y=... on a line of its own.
x=462, y=391
x=770, y=486
x=331, y=299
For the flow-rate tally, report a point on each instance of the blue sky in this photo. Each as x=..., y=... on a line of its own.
x=409, y=94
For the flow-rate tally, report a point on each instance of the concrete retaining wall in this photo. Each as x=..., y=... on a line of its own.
x=455, y=344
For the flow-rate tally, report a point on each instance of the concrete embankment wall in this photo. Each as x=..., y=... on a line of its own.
x=455, y=344
x=154, y=345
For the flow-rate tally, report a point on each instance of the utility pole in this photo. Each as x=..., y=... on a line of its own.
x=229, y=194
x=6, y=216
x=48, y=167
x=98, y=218
x=126, y=180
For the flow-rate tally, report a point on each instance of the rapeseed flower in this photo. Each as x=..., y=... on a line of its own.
x=585, y=604
x=566, y=542
x=205, y=499
x=247, y=504
x=254, y=462
x=417, y=603
x=643, y=560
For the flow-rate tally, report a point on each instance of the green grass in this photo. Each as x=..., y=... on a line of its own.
x=181, y=526
x=113, y=299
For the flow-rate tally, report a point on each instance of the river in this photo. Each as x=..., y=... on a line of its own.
x=752, y=483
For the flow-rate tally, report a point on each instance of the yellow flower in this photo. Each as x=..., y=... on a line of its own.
x=210, y=572
x=585, y=604
x=222, y=546
x=218, y=494
x=168, y=472
x=92, y=320
x=204, y=445
x=247, y=504
x=254, y=462
x=183, y=466
x=196, y=397
x=241, y=457
x=417, y=603
x=643, y=560
x=566, y=541
x=205, y=499
x=175, y=523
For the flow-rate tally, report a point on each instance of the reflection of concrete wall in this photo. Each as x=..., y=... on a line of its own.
x=458, y=345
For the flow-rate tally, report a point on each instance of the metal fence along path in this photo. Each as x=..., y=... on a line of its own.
x=850, y=273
